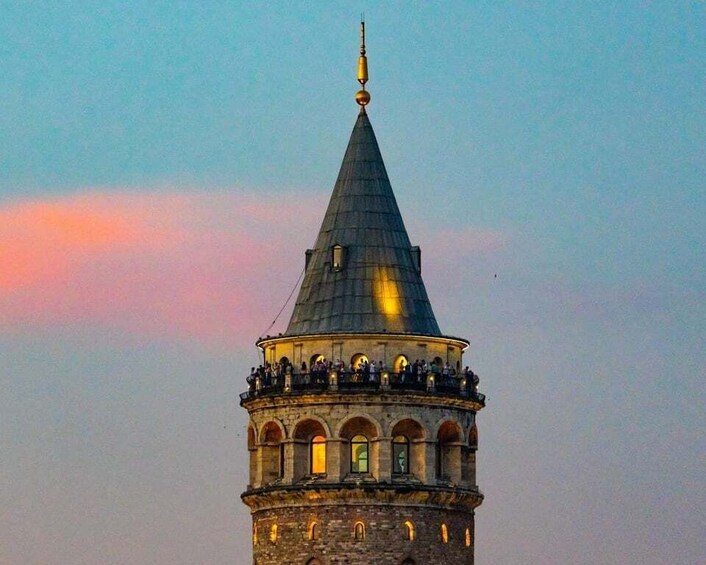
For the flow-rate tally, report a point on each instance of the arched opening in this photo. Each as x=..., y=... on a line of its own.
x=360, y=460
x=468, y=539
x=400, y=455
x=359, y=531
x=313, y=561
x=400, y=363
x=271, y=448
x=408, y=561
x=284, y=361
x=317, y=368
x=273, y=533
x=252, y=456
x=359, y=450
x=409, y=532
x=448, y=452
x=314, y=531
x=471, y=457
x=309, y=449
x=255, y=541
x=358, y=362
x=444, y=533
x=316, y=358
x=317, y=455
x=416, y=456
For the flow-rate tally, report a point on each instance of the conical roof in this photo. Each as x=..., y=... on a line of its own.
x=373, y=284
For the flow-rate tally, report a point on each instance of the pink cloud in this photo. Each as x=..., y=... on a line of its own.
x=216, y=266
x=208, y=265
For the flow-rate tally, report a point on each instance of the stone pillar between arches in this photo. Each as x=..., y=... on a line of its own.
x=430, y=457
x=382, y=464
x=334, y=446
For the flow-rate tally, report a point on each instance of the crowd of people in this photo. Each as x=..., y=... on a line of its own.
x=273, y=375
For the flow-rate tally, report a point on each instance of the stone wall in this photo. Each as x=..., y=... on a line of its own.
x=436, y=429
x=385, y=540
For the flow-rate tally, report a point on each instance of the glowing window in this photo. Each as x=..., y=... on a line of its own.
x=400, y=455
x=254, y=534
x=358, y=361
x=444, y=534
x=409, y=530
x=318, y=455
x=468, y=537
x=400, y=363
x=273, y=533
x=359, y=531
x=359, y=454
x=314, y=531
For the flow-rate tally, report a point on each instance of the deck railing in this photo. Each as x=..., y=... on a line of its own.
x=344, y=381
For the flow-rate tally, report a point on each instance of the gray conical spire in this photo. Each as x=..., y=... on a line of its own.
x=373, y=282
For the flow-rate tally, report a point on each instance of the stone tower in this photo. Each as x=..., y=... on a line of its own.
x=362, y=435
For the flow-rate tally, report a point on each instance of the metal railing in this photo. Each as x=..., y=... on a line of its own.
x=358, y=382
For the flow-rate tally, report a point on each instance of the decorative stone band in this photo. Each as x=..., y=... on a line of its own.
x=289, y=496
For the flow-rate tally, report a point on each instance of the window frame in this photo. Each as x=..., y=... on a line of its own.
x=355, y=441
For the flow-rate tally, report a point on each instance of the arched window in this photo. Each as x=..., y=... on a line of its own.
x=448, y=452
x=400, y=455
x=358, y=361
x=313, y=561
x=468, y=537
x=316, y=358
x=314, y=533
x=254, y=534
x=444, y=533
x=272, y=448
x=408, y=561
x=359, y=531
x=409, y=533
x=399, y=364
x=273, y=533
x=359, y=454
x=317, y=456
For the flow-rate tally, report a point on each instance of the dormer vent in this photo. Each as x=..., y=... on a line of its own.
x=338, y=257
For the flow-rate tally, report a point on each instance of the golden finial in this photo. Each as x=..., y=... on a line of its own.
x=362, y=97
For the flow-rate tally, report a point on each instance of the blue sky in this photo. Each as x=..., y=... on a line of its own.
x=163, y=168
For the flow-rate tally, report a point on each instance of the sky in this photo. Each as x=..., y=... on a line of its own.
x=164, y=165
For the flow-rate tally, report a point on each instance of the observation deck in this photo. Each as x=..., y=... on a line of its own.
x=435, y=384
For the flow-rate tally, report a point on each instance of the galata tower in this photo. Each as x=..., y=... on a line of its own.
x=362, y=430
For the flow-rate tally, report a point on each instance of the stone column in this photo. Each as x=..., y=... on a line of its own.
x=430, y=470
x=333, y=460
x=288, y=454
x=382, y=466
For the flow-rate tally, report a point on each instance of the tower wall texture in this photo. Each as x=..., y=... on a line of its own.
x=385, y=541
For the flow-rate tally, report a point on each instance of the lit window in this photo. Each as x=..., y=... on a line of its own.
x=254, y=534
x=409, y=530
x=337, y=257
x=359, y=454
x=468, y=537
x=318, y=455
x=273, y=533
x=314, y=531
x=359, y=531
x=444, y=534
x=400, y=455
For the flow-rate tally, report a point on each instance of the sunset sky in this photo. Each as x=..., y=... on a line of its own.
x=163, y=167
